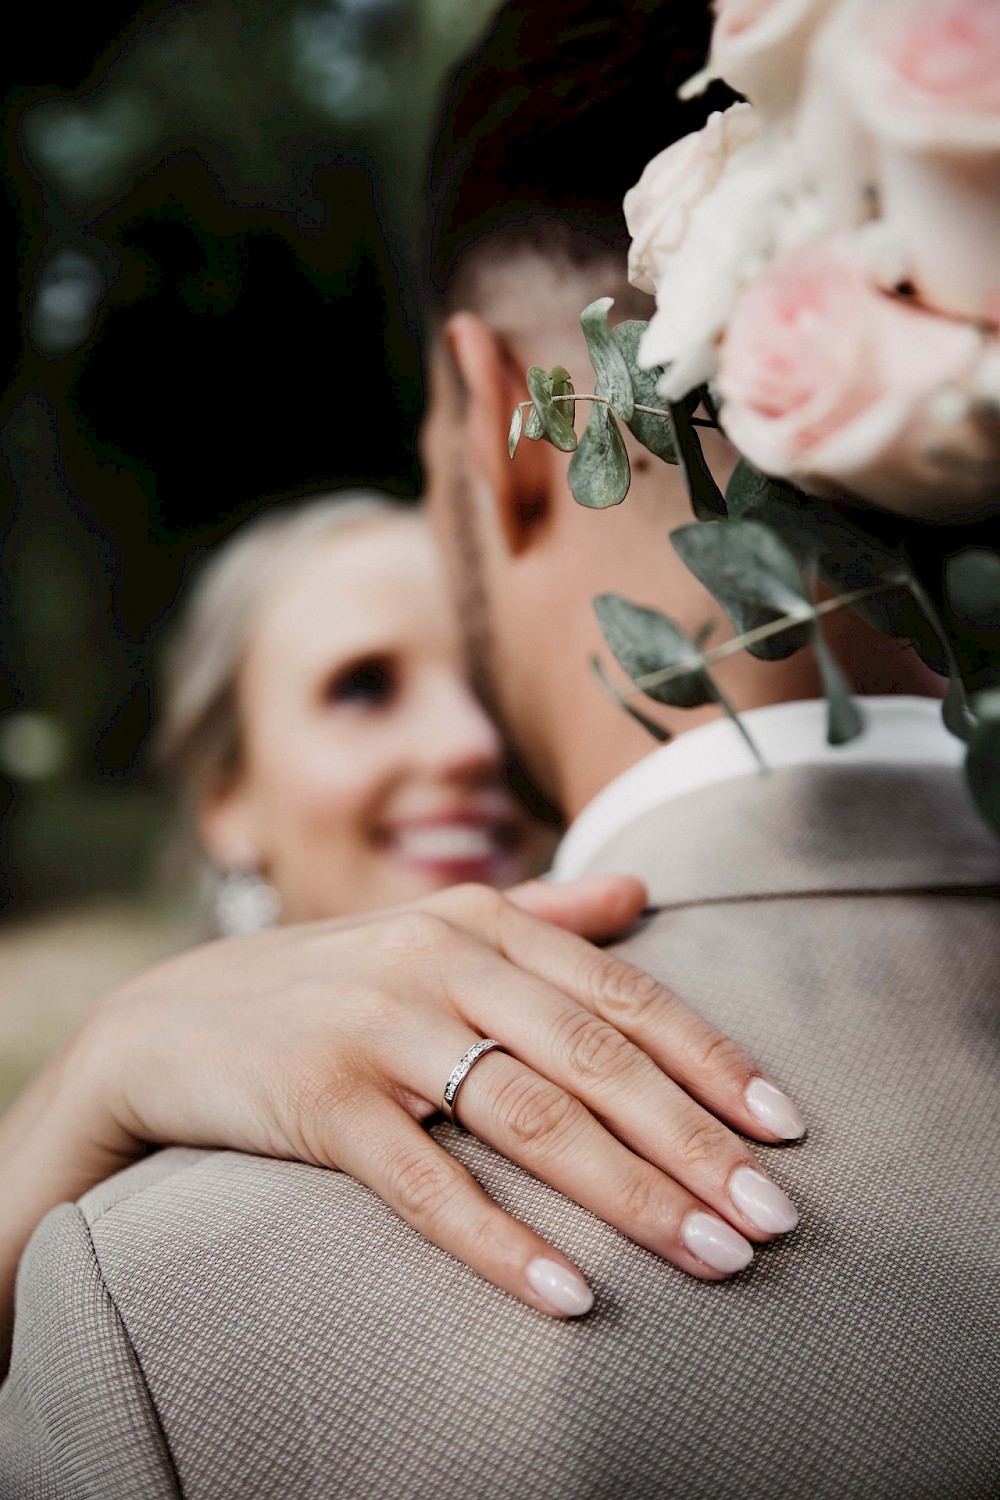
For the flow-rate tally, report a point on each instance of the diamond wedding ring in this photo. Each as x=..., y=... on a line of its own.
x=460, y=1073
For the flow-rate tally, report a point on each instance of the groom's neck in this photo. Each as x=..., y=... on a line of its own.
x=604, y=742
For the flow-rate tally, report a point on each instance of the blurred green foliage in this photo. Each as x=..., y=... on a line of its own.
x=208, y=202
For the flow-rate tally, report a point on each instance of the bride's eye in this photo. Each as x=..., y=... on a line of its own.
x=371, y=682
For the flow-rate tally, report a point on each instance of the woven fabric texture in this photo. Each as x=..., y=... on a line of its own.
x=76, y=1419
x=293, y=1341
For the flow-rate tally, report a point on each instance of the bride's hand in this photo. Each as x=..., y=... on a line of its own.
x=331, y=1044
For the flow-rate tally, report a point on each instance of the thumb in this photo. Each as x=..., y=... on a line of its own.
x=595, y=906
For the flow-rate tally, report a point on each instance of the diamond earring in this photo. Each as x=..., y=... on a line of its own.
x=245, y=903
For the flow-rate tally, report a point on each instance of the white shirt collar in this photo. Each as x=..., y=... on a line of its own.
x=898, y=731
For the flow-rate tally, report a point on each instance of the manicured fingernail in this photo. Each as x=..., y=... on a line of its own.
x=561, y=1288
x=762, y=1201
x=774, y=1110
x=716, y=1243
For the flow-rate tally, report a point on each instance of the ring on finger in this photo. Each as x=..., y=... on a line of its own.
x=460, y=1073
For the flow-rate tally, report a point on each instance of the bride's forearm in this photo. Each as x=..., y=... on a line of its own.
x=56, y=1141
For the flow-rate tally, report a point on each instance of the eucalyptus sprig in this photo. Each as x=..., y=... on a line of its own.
x=754, y=548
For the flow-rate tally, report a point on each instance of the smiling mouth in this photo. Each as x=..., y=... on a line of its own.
x=456, y=850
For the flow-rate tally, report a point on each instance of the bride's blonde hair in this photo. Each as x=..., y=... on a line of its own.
x=199, y=741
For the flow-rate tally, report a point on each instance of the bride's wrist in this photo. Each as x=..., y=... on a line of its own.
x=66, y=1131
x=97, y=1069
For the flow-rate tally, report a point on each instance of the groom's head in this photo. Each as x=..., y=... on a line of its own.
x=544, y=128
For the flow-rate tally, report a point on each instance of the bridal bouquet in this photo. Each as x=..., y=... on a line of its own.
x=825, y=259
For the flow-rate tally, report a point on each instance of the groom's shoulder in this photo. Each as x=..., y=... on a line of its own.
x=804, y=830
x=253, y=1298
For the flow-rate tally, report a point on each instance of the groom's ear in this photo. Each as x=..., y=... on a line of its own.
x=493, y=383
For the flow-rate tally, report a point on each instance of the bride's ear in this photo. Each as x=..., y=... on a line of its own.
x=227, y=829
x=492, y=385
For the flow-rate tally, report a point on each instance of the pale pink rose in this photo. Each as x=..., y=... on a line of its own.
x=658, y=209
x=706, y=216
x=923, y=80
x=760, y=47
x=837, y=387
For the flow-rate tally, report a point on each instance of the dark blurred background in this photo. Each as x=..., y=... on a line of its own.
x=211, y=220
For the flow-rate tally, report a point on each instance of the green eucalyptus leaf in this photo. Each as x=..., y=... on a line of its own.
x=749, y=491
x=534, y=428
x=749, y=570
x=972, y=588
x=562, y=385
x=599, y=472
x=983, y=763
x=514, y=436
x=707, y=500
x=843, y=717
x=652, y=432
x=955, y=709
x=847, y=548
x=555, y=425
x=739, y=726
x=644, y=641
x=613, y=380
x=650, y=725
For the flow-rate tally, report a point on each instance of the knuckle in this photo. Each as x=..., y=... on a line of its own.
x=595, y=1051
x=406, y=933
x=483, y=899
x=533, y=1111
x=421, y=1183
x=716, y=1054
x=630, y=996
x=634, y=1198
x=471, y=900
x=478, y=906
x=703, y=1142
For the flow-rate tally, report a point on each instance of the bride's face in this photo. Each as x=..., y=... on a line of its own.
x=370, y=774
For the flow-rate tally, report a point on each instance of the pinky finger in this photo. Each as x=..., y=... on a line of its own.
x=434, y=1193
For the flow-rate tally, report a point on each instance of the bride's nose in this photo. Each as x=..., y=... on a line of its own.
x=459, y=738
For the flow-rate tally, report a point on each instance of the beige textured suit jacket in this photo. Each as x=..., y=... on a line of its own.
x=226, y=1328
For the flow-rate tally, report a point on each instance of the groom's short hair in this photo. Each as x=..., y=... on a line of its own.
x=547, y=121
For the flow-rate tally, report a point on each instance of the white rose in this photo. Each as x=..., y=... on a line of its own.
x=831, y=384
x=705, y=217
x=837, y=152
x=658, y=209
x=760, y=48
x=922, y=78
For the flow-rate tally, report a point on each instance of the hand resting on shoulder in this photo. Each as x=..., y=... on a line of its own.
x=330, y=1043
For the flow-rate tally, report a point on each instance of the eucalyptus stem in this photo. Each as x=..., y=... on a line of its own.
x=751, y=637
x=650, y=411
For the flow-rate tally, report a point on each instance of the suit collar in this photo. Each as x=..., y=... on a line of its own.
x=807, y=830
x=898, y=731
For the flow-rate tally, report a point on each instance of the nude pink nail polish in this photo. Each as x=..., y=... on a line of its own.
x=560, y=1287
x=774, y=1110
x=762, y=1201
x=716, y=1243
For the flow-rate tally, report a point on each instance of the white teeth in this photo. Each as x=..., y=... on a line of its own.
x=458, y=841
